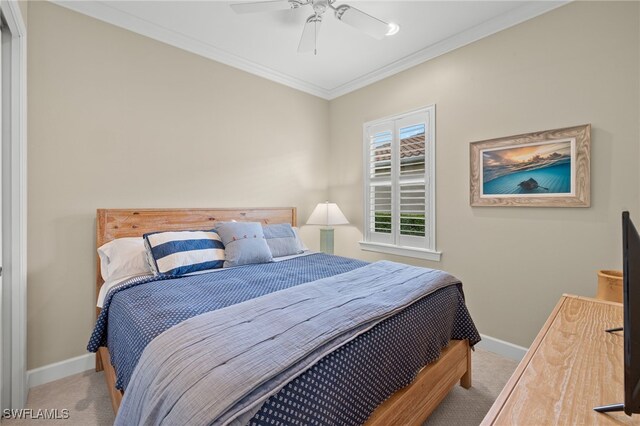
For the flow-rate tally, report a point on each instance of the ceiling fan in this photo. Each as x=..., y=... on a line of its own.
x=358, y=19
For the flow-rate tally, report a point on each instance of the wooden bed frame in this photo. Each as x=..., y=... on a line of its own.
x=409, y=406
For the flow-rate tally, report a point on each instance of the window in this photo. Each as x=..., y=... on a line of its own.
x=399, y=185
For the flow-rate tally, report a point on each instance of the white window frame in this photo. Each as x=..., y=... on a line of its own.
x=393, y=243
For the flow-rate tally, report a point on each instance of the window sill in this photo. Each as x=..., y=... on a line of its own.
x=418, y=253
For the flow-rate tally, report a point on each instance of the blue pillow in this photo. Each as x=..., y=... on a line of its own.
x=281, y=239
x=183, y=252
x=244, y=243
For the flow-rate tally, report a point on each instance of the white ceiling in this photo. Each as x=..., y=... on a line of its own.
x=266, y=43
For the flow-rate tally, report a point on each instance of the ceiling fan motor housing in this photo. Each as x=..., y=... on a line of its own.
x=320, y=6
x=370, y=25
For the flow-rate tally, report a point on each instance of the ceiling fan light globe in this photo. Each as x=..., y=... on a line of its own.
x=362, y=21
x=393, y=29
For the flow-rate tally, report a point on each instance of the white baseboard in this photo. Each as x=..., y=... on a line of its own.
x=60, y=370
x=500, y=347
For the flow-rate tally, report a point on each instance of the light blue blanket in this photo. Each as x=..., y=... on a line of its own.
x=219, y=366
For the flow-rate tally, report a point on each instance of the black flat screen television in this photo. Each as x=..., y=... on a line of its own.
x=631, y=329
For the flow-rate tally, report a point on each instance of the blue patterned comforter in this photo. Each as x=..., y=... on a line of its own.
x=372, y=366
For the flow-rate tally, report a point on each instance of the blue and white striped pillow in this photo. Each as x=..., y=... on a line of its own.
x=183, y=252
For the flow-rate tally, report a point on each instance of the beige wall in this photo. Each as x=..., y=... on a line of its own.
x=119, y=120
x=575, y=65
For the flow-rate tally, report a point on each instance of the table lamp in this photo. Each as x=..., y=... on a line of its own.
x=327, y=214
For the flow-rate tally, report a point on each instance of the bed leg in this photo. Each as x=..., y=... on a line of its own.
x=99, y=366
x=465, y=381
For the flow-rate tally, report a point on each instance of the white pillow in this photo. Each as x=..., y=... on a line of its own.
x=123, y=258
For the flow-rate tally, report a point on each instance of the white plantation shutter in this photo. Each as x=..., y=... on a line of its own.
x=381, y=208
x=413, y=209
x=399, y=190
x=411, y=191
x=379, y=191
x=412, y=150
x=380, y=154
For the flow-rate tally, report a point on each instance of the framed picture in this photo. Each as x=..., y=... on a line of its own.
x=541, y=169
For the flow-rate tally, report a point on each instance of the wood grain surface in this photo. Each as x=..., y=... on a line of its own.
x=572, y=367
x=110, y=378
x=582, y=197
x=412, y=405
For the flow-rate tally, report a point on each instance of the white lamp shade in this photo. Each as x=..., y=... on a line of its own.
x=327, y=214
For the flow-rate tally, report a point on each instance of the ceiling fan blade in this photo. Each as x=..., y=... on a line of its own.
x=309, y=39
x=263, y=6
x=364, y=22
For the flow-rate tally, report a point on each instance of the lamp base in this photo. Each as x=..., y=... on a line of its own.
x=326, y=240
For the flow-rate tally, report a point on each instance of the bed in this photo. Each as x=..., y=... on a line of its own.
x=410, y=404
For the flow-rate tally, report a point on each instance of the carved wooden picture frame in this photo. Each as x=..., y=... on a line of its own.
x=550, y=168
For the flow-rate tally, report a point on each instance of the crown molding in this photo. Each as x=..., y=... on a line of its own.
x=485, y=29
x=104, y=12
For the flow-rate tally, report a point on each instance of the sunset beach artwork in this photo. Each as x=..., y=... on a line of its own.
x=535, y=169
x=547, y=168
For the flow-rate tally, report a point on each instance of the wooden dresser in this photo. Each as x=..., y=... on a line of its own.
x=571, y=367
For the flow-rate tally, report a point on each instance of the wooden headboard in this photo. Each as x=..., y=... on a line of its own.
x=118, y=223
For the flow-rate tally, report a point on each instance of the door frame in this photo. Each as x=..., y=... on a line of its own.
x=14, y=213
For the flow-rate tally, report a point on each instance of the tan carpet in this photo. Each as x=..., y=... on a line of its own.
x=85, y=396
x=466, y=407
